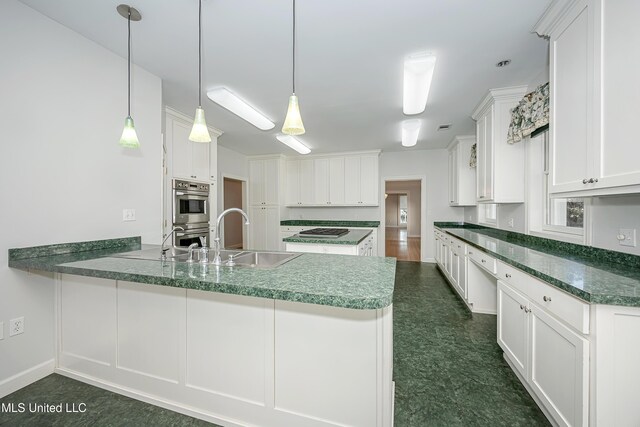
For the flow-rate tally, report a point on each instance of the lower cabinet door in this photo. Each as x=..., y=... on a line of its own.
x=559, y=369
x=257, y=228
x=513, y=326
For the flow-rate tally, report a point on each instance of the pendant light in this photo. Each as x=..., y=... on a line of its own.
x=199, y=131
x=293, y=122
x=129, y=138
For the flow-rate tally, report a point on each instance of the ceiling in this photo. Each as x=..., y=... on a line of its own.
x=349, y=61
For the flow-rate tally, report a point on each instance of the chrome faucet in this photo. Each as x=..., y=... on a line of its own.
x=190, y=249
x=216, y=241
x=163, y=251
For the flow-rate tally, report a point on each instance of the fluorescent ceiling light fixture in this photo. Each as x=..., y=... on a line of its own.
x=410, y=131
x=237, y=106
x=294, y=143
x=418, y=73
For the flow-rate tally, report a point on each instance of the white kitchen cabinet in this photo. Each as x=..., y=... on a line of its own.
x=188, y=160
x=265, y=181
x=321, y=181
x=264, y=229
x=462, y=177
x=500, y=166
x=594, y=95
x=361, y=180
x=300, y=189
x=549, y=354
x=336, y=181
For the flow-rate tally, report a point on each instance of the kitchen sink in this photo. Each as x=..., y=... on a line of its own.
x=263, y=259
x=241, y=258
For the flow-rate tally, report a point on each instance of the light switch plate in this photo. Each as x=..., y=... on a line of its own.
x=627, y=237
x=128, y=214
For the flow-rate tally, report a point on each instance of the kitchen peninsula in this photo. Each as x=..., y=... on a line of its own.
x=332, y=241
x=298, y=344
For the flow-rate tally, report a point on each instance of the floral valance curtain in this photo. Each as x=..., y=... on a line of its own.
x=531, y=113
x=473, y=161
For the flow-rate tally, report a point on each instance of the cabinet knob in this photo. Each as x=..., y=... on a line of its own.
x=455, y=254
x=595, y=179
x=521, y=307
x=470, y=253
x=584, y=181
x=527, y=310
x=507, y=275
x=546, y=298
x=484, y=260
x=591, y=181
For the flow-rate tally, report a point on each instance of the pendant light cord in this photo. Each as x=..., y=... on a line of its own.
x=129, y=65
x=200, y=53
x=294, y=47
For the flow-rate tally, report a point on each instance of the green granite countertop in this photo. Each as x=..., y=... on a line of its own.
x=333, y=280
x=329, y=223
x=593, y=275
x=352, y=238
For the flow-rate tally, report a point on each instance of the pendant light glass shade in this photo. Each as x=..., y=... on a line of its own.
x=199, y=131
x=293, y=122
x=129, y=138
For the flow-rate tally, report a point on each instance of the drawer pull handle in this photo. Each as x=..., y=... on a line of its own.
x=546, y=298
x=584, y=181
x=455, y=254
x=507, y=275
x=458, y=246
x=470, y=253
x=484, y=260
x=521, y=307
x=527, y=310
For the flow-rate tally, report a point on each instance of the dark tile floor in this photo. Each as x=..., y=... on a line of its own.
x=448, y=371
x=448, y=368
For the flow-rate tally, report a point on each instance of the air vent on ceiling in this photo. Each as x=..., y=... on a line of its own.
x=444, y=127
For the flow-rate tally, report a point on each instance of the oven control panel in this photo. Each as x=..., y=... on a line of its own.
x=179, y=184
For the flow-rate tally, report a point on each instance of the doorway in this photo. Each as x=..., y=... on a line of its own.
x=403, y=219
x=233, y=197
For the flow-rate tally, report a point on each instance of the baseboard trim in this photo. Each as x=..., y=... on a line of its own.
x=147, y=398
x=26, y=377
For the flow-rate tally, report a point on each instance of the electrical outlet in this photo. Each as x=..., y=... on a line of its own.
x=1, y=330
x=510, y=222
x=128, y=214
x=627, y=237
x=16, y=326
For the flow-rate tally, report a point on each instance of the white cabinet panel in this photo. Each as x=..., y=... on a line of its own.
x=307, y=196
x=333, y=385
x=94, y=301
x=321, y=181
x=369, y=179
x=292, y=195
x=352, y=180
x=256, y=182
x=222, y=359
x=462, y=177
x=150, y=324
x=179, y=138
x=200, y=160
x=271, y=181
x=559, y=369
x=264, y=229
x=272, y=228
x=570, y=124
x=336, y=180
x=513, y=326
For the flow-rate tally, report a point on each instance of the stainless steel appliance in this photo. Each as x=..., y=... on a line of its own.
x=324, y=232
x=193, y=233
x=190, y=202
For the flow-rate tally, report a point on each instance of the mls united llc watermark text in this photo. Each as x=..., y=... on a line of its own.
x=44, y=408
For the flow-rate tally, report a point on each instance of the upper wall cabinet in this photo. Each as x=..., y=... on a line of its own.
x=594, y=96
x=333, y=180
x=500, y=166
x=462, y=177
x=265, y=181
x=189, y=160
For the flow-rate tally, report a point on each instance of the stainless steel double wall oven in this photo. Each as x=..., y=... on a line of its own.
x=191, y=212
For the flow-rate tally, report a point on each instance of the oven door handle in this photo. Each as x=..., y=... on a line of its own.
x=193, y=196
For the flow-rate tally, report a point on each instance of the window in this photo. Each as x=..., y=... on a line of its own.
x=488, y=213
x=564, y=218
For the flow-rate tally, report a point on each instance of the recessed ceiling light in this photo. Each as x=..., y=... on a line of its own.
x=418, y=73
x=294, y=143
x=444, y=127
x=503, y=63
x=410, y=131
x=240, y=108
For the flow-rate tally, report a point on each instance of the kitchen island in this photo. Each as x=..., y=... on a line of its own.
x=307, y=343
x=354, y=242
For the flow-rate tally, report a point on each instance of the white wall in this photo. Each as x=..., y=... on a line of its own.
x=232, y=164
x=608, y=215
x=433, y=165
x=63, y=176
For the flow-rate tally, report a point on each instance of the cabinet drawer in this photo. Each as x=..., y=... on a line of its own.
x=482, y=259
x=457, y=245
x=566, y=307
